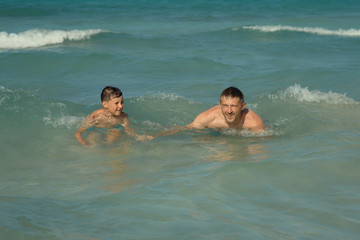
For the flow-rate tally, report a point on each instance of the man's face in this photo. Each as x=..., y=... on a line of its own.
x=114, y=106
x=231, y=108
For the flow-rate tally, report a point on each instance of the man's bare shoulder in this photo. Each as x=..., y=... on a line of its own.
x=212, y=112
x=253, y=120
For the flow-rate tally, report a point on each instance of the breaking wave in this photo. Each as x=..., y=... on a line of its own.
x=314, y=30
x=40, y=37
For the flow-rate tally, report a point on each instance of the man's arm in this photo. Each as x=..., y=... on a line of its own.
x=201, y=121
x=173, y=130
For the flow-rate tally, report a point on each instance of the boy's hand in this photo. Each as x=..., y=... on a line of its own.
x=144, y=138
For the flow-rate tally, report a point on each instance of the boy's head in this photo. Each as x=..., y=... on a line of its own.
x=109, y=93
x=112, y=100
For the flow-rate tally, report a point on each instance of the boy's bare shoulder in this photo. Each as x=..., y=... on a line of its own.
x=124, y=115
x=97, y=113
x=102, y=113
x=103, y=119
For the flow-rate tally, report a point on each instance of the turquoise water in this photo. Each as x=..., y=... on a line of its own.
x=297, y=62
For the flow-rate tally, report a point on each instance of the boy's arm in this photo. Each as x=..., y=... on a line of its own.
x=80, y=138
x=83, y=127
x=129, y=131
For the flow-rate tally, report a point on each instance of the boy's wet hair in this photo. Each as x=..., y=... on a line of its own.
x=109, y=93
x=232, y=92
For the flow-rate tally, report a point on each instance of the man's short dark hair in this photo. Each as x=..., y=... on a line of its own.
x=109, y=93
x=232, y=92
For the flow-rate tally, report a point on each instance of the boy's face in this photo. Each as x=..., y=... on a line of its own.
x=114, y=106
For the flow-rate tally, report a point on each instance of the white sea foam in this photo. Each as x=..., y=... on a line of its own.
x=41, y=37
x=248, y=133
x=4, y=89
x=252, y=106
x=63, y=121
x=169, y=96
x=305, y=95
x=166, y=96
x=3, y=97
x=314, y=30
x=152, y=125
x=162, y=96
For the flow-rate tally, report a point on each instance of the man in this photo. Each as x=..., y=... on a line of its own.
x=230, y=113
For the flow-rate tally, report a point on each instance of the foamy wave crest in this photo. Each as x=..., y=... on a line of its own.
x=64, y=121
x=305, y=95
x=3, y=97
x=317, y=30
x=40, y=37
x=248, y=133
x=162, y=96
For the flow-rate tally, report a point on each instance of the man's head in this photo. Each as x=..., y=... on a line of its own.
x=112, y=100
x=232, y=92
x=232, y=103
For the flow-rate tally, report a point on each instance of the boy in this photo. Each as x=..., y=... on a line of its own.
x=108, y=117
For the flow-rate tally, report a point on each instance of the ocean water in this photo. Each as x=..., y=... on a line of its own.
x=297, y=62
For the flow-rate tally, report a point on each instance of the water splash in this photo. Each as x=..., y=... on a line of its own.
x=273, y=130
x=27, y=104
x=68, y=122
x=305, y=95
x=161, y=96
